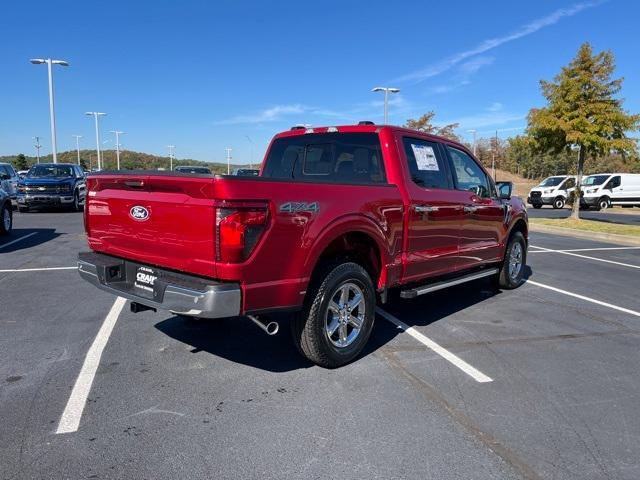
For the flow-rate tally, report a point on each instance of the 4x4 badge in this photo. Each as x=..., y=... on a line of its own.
x=297, y=207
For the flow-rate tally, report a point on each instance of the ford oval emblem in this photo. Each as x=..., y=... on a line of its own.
x=139, y=213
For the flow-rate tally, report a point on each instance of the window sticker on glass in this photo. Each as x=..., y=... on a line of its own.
x=425, y=157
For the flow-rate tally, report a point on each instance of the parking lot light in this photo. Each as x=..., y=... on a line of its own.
x=95, y=116
x=52, y=116
x=387, y=91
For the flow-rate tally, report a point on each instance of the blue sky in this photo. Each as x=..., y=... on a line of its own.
x=207, y=75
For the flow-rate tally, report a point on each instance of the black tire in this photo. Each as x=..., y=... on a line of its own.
x=77, y=207
x=309, y=327
x=603, y=203
x=6, y=219
x=537, y=205
x=506, y=280
x=22, y=209
x=558, y=203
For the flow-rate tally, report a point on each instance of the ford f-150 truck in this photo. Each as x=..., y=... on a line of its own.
x=337, y=218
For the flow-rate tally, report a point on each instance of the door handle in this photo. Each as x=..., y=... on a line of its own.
x=470, y=208
x=424, y=209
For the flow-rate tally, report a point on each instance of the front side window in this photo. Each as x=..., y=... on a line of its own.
x=570, y=183
x=327, y=158
x=614, y=182
x=468, y=174
x=426, y=165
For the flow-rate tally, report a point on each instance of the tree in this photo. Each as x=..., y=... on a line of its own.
x=583, y=112
x=423, y=124
x=20, y=162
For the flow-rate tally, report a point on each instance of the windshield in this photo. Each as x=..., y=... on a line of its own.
x=551, y=182
x=595, y=180
x=50, y=171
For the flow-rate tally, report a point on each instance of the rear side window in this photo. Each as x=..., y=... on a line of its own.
x=327, y=158
x=427, y=166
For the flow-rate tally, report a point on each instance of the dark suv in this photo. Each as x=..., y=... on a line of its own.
x=52, y=184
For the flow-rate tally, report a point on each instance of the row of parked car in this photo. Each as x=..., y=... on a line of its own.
x=599, y=191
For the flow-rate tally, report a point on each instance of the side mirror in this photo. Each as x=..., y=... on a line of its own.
x=504, y=190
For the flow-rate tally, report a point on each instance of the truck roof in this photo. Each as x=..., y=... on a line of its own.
x=369, y=128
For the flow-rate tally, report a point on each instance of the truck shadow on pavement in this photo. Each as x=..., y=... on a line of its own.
x=238, y=340
x=34, y=237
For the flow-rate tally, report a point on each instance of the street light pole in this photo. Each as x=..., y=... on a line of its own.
x=251, y=157
x=118, y=133
x=171, y=149
x=474, y=140
x=95, y=116
x=228, y=149
x=37, y=145
x=52, y=115
x=78, y=137
x=387, y=91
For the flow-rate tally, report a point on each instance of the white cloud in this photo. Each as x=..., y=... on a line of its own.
x=271, y=114
x=475, y=64
x=495, y=107
x=485, y=119
x=491, y=43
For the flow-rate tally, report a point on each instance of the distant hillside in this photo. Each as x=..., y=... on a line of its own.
x=521, y=185
x=129, y=160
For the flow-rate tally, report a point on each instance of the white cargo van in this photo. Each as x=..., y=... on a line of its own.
x=552, y=191
x=604, y=190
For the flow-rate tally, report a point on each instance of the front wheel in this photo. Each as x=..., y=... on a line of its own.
x=6, y=219
x=336, y=322
x=511, y=273
x=537, y=205
x=558, y=202
x=603, y=203
x=76, y=202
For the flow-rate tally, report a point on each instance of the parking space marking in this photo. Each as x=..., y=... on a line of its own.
x=473, y=372
x=549, y=250
x=17, y=240
x=43, y=269
x=595, y=249
x=587, y=299
x=70, y=419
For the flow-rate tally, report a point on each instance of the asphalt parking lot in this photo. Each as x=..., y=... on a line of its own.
x=627, y=216
x=541, y=382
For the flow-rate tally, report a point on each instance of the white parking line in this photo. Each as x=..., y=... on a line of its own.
x=17, y=240
x=598, y=249
x=474, y=373
x=587, y=299
x=44, y=269
x=70, y=419
x=548, y=250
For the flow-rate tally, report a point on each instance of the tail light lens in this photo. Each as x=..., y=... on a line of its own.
x=238, y=230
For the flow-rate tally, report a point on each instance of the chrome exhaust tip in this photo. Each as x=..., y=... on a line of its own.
x=270, y=328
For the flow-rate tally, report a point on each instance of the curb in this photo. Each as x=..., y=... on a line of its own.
x=571, y=232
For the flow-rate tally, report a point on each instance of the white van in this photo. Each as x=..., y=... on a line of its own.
x=552, y=191
x=604, y=190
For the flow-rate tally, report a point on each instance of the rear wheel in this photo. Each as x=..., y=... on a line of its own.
x=6, y=219
x=336, y=322
x=558, y=202
x=511, y=273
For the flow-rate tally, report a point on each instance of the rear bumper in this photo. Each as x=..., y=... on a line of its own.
x=178, y=293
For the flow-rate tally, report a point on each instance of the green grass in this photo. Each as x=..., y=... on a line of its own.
x=588, y=226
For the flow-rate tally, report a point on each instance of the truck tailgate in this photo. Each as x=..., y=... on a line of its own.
x=161, y=220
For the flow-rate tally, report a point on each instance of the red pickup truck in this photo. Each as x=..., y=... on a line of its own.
x=337, y=217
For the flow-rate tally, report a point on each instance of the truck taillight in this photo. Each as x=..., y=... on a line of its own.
x=238, y=230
